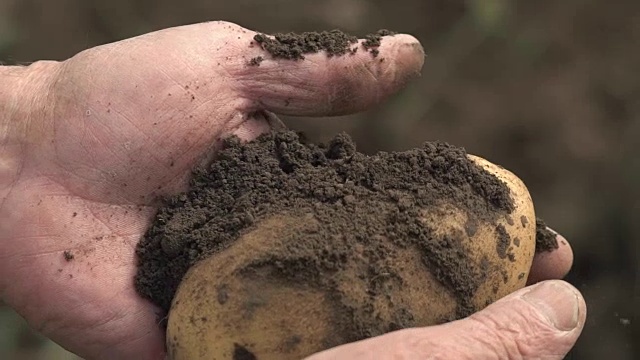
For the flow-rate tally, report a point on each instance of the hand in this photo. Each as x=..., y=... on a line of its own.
x=102, y=134
x=116, y=126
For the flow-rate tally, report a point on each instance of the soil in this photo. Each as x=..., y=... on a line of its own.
x=546, y=240
x=295, y=46
x=68, y=255
x=373, y=41
x=358, y=199
x=256, y=61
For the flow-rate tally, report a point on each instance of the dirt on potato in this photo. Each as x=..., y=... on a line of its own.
x=355, y=197
x=357, y=200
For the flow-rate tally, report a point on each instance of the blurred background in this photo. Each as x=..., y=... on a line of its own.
x=548, y=89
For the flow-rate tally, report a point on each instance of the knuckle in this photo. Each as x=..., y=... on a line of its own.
x=521, y=334
x=507, y=340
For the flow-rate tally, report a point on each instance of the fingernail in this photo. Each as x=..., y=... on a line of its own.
x=558, y=302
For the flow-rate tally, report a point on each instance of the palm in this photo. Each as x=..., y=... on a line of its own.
x=127, y=123
x=88, y=190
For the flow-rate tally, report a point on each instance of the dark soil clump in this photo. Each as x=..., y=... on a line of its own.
x=68, y=255
x=373, y=41
x=294, y=46
x=357, y=200
x=256, y=61
x=546, y=240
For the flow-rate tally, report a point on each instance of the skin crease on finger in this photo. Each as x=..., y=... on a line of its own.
x=109, y=130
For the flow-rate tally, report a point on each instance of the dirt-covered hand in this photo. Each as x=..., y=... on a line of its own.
x=118, y=125
x=87, y=145
x=542, y=321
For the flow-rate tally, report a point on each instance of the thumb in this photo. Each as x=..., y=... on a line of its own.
x=539, y=322
x=322, y=85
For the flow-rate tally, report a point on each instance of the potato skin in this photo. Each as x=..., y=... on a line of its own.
x=217, y=312
x=221, y=312
x=510, y=273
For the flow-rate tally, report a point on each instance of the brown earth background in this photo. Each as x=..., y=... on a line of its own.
x=548, y=89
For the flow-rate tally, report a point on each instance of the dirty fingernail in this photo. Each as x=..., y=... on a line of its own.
x=558, y=302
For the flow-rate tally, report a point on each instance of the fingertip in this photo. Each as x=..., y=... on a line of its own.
x=404, y=57
x=550, y=315
x=375, y=73
x=406, y=50
x=557, y=302
x=555, y=264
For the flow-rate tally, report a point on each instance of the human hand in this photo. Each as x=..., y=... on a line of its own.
x=114, y=127
x=92, y=141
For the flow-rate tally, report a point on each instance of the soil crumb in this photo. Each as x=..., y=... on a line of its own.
x=68, y=255
x=295, y=46
x=256, y=61
x=373, y=41
x=358, y=199
x=546, y=240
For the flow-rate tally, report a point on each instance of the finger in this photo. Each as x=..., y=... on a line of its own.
x=549, y=265
x=319, y=85
x=539, y=322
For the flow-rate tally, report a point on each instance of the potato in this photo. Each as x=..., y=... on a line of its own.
x=229, y=306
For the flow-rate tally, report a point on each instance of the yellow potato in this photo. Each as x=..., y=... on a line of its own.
x=226, y=309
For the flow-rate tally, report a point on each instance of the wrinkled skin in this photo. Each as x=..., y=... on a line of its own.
x=88, y=144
